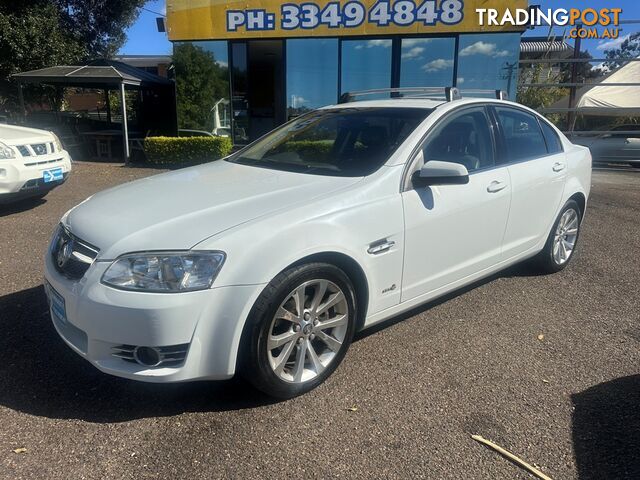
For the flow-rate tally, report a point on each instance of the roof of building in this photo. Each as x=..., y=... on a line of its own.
x=97, y=74
x=534, y=47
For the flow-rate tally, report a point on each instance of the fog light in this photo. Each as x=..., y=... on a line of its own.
x=3, y=172
x=147, y=356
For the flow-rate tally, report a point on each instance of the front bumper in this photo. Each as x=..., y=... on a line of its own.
x=100, y=319
x=24, y=177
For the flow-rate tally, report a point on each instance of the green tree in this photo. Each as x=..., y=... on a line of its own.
x=42, y=33
x=537, y=97
x=630, y=48
x=200, y=83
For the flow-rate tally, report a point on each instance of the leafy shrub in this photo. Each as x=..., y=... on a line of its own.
x=186, y=150
x=313, y=149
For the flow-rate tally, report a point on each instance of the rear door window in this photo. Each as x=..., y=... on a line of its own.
x=554, y=145
x=523, y=137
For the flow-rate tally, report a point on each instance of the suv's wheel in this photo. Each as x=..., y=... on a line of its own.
x=299, y=330
x=562, y=241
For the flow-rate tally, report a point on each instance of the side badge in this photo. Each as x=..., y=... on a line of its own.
x=390, y=289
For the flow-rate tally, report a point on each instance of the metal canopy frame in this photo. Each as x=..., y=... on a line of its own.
x=100, y=74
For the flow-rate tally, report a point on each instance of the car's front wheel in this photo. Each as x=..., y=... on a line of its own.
x=299, y=330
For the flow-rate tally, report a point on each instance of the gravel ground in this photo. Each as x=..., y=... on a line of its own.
x=403, y=404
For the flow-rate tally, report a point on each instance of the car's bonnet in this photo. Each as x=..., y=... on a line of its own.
x=13, y=135
x=178, y=210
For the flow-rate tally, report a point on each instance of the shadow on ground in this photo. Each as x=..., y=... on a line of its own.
x=606, y=430
x=20, y=206
x=41, y=376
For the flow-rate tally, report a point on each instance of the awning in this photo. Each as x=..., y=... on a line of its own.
x=96, y=74
x=536, y=47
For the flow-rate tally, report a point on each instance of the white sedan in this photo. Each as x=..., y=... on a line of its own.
x=267, y=263
x=32, y=163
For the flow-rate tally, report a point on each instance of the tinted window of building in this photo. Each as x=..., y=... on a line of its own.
x=489, y=61
x=312, y=74
x=554, y=145
x=366, y=65
x=202, y=85
x=427, y=62
x=522, y=135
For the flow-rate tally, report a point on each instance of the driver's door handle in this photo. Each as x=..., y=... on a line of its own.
x=496, y=187
x=559, y=166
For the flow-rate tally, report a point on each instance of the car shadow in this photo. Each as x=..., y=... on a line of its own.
x=606, y=430
x=40, y=375
x=521, y=270
x=20, y=206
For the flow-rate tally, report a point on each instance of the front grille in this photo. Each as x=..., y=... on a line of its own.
x=71, y=256
x=44, y=162
x=24, y=151
x=171, y=356
x=39, y=148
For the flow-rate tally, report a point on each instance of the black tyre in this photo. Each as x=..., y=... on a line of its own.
x=562, y=241
x=299, y=330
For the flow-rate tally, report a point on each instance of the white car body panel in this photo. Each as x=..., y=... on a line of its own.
x=266, y=220
x=22, y=176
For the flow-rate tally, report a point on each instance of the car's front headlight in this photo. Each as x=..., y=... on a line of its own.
x=6, y=152
x=57, y=142
x=164, y=272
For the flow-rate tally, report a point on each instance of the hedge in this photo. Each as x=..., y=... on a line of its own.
x=186, y=150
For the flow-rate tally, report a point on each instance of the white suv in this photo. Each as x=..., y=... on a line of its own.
x=32, y=163
x=267, y=262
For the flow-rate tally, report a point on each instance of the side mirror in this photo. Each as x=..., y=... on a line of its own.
x=435, y=172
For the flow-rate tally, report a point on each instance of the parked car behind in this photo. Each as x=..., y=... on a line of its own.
x=614, y=147
x=32, y=163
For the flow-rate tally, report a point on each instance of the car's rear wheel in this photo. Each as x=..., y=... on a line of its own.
x=562, y=241
x=299, y=330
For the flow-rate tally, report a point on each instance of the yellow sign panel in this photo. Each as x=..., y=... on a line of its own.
x=218, y=19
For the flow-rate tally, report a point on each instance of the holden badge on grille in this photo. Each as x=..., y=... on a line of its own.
x=64, y=253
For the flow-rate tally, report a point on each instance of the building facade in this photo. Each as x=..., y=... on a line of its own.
x=244, y=67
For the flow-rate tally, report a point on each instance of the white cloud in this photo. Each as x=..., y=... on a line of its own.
x=436, y=65
x=483, y=48
x=612, y=44
x=412, y=42
x=297, y=101
x=374, y=43
x=414, y=52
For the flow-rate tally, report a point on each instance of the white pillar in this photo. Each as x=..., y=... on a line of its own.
x=125, y=128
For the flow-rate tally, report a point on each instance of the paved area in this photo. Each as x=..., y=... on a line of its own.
x=546, y=366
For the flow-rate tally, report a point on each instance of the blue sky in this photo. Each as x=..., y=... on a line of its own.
x=143, y=37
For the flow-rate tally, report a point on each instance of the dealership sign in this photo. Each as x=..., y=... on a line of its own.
x=216, y=19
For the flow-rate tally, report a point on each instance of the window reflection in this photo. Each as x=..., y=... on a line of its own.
x=427, y=62
x=366, y=65
x=489, y=61
x=202, y=84
x=312, y=74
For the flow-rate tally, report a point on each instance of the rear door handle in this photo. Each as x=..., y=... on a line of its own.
x=496, y=187
x=558, y=167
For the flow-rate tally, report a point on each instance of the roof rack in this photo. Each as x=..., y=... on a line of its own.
x=448, y=94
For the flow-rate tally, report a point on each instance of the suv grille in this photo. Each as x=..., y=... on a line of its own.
x=71, y=256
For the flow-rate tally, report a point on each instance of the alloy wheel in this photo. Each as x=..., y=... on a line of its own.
x=308, y=331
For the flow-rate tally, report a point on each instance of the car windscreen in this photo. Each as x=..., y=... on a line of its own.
x=349, y=142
